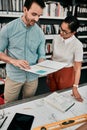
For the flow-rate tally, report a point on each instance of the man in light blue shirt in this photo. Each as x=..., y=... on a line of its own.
x=25, y=44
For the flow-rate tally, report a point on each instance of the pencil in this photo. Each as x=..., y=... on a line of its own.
x=3, y=121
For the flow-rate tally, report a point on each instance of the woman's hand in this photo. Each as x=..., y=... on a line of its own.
x=76, y=94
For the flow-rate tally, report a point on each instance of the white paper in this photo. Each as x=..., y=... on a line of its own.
x=45, y=113
x=46, y=67
x=59, y=102
x=52, y=64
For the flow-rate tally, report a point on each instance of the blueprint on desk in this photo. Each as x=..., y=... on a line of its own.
x=45, y=113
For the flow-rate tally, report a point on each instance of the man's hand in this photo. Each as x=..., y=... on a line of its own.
x=41, y=60
x=20, y=63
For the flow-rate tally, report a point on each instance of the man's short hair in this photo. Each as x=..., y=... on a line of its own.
x=28, y=3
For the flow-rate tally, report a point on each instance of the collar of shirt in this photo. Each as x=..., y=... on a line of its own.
x=22, y=22
x=25, y=24
x=68, y=40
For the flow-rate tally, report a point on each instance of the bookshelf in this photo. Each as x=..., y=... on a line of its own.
x=81, y=14
x=13, y=10
x=2, y=72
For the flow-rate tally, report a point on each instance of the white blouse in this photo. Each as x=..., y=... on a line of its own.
x=68, y=50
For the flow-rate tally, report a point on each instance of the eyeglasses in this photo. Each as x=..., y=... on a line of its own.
x=64, y=31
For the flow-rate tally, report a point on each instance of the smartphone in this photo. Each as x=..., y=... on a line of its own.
x=21, y=122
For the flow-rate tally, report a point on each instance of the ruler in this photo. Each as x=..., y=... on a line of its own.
x=63, y=123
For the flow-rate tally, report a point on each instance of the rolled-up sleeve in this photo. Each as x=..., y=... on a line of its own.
x=3, y=39
x=41, y=49
x=79, y=53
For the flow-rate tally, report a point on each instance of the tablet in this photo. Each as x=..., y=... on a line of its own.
x=21, y=122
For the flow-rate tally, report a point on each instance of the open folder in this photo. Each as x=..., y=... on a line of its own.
x=46, y=67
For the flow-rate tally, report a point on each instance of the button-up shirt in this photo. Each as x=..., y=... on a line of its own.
x=22, y=42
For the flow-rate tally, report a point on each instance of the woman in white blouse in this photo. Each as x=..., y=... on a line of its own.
x=68, y=49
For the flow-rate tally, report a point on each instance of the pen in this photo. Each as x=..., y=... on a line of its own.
x=69, y=107
x=3, y=121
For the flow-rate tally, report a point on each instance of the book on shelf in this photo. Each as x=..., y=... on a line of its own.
x=46, y=67
x=11, y=6
x=50, y=28
x=4, y=5
x=46, y=10
x=53, y=9
x=61, y=102
x=49, y=48
x=0, y=5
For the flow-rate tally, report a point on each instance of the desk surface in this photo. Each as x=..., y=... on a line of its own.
x=43, y=112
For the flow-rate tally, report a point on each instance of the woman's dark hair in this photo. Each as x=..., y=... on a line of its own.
x=73, y=23
x=28, y=3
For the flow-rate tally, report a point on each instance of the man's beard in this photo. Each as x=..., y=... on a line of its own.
x=29, y=22
x=32, y=22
